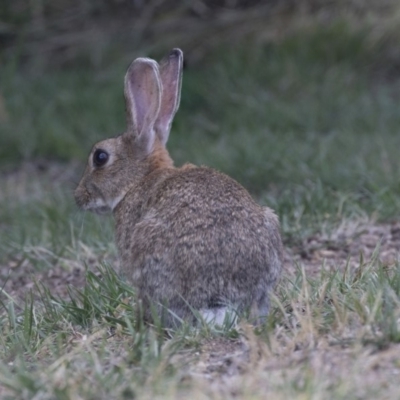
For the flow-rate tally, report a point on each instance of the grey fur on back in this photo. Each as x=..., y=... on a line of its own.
x=196, y=237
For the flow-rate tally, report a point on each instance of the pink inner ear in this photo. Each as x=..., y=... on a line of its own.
x=141, y=104
x=143, y=92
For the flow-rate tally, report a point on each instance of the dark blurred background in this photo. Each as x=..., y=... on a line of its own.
x=63, y=33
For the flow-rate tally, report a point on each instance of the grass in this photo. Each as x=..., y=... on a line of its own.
x=310, y=126
x=50, y=344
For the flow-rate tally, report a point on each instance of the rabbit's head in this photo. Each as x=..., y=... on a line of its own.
x=152, y=94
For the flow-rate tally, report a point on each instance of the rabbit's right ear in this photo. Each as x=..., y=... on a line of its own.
x=143, y=98
x=171, y=80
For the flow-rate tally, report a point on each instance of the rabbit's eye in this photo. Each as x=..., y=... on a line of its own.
x=100, y=157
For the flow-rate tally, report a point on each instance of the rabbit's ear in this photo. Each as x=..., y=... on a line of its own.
x=171, y=80
x=143, y=97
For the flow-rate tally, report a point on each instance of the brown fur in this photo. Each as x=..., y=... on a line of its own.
x=188, y=237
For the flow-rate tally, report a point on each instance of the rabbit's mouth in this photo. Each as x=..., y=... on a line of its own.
x=98, y=206
x=102, y=206
x=94, y=200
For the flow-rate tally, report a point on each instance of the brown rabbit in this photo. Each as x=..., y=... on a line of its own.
x=189, y=238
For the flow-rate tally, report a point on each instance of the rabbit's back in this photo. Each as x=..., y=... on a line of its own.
x=198, y=237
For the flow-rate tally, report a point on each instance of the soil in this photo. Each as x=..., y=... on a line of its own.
x=350, y=243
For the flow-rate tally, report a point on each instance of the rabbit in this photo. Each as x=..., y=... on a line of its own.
x=191, y=240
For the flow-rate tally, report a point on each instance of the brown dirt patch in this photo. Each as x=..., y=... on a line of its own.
x=248, y=368
x=350, y=243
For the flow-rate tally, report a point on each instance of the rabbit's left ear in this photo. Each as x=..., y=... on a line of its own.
x=171, y=81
